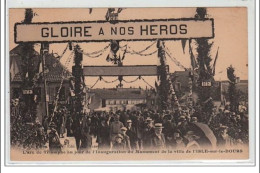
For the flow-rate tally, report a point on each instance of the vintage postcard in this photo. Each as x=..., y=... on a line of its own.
x=128, y=84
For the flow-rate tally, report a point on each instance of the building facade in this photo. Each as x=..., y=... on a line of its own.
x=114, y=99
x=54, y=72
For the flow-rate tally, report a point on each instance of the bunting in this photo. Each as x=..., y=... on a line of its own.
x=194, y=64
x=215, y=62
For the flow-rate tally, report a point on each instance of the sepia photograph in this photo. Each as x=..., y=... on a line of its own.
x=128, y=84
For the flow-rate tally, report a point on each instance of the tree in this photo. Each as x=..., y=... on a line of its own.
x=77, y=72
x=29, y=73
x=23, y=122
x=205, y=70
x=164, y=86
x=232, y=92
x=167, y=95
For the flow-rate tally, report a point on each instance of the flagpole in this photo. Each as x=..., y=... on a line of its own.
x=44, y=50
x=191, y=72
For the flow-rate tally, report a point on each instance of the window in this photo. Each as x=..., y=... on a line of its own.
x=103, y=103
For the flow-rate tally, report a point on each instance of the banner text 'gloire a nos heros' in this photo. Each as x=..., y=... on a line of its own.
x=128, y=30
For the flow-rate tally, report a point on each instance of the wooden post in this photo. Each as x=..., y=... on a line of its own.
x=44, y=52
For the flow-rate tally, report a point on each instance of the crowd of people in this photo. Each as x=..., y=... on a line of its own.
x=136, y=130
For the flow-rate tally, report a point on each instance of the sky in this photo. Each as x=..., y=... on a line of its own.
x=230, y=38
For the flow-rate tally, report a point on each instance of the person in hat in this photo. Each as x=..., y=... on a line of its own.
x=168, y=129
x=118, y=144
x=78, y=129
x=177, y=140
x=69, y=123
x=115, y=128
x=138, y=124
x=158, y=139
x=223, y=139
x=131, y=132
x=45, y=123
x=179, y=143
x=54, y=140
x=57, y=119
x=148, y=132
x=126, y=139
x=62, y=124
x=182, y=124
x=41, y=137
x=194, y=119
x=103, y=134
x=86, y=141
x=192, y=140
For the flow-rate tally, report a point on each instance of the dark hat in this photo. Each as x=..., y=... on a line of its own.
x=52, y=124
x=168, y=117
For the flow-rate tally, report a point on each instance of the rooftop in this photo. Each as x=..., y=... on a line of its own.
x=114, y=93
x=53, y=66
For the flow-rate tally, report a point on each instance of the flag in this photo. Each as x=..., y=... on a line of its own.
x=183, y=43
x=156, y=85
x=192, y=57
x=215, y=62
x=124, y=53
x=90, y=10
x=119, y=10
x=108, y=14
